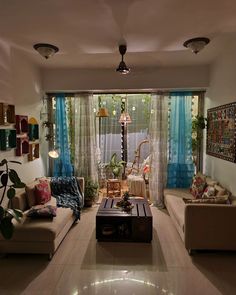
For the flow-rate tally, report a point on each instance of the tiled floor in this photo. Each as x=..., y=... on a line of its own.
x=83, y=266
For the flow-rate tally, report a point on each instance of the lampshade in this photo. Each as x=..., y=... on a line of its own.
x=102, y=112
x=196, y=44
x=53, y=154
x=46, y=50
x=125, y=118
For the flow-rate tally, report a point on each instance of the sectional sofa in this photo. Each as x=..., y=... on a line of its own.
x=202, y=226
x=38, y=235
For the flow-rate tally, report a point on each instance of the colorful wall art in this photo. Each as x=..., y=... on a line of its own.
x=221, y=128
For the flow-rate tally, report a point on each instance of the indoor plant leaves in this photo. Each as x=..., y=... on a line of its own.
x=11, y=193
x=7, y=215
x=6, y=227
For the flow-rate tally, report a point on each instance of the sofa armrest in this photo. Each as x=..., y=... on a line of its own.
x=210, y=226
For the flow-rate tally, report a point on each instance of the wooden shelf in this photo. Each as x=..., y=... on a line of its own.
x=22, y=125
x=33, y=151
x=22, y=146
x=33, y=129
x=7, y=139
x=7, y=114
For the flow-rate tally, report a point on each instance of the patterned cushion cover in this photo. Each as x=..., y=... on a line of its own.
x=40, y=211
x=42, y=192
x=209, y=192
x=198, y=186
x=220, y=191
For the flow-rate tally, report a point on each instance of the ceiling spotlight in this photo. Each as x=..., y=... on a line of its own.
x=122, y=68
x=196, y=44
x=46, y=50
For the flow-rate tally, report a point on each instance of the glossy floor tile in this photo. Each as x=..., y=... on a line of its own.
x=82, y=265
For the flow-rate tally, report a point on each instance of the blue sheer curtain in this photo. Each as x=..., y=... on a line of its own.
x=62, y=165
x=180, y=166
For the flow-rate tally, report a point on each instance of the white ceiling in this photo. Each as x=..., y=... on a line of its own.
x=88, y=32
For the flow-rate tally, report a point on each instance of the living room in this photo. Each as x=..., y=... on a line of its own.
x=88, y=37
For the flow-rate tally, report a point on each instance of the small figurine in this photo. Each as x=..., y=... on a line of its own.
x=124, y=203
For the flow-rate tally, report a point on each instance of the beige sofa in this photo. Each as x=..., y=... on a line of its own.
x=38, y=235
x=202, y=226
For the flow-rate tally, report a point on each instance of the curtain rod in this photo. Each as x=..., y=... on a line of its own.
x=72, y=94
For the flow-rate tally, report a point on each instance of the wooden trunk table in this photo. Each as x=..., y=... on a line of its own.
x=113, y=224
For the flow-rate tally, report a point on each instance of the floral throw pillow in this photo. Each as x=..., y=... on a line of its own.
x=48, y=211
x=198, y=186
x=42, y=192
x=209, y=192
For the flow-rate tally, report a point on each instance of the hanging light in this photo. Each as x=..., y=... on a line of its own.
x=53, y=154
x=196, y=44
x=122, y=68
x=46, y=50
x=102, y=112
x=125, y=118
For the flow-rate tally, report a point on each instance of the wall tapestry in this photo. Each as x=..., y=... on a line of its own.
x=221, y=128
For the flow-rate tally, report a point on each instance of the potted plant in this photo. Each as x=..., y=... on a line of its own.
x=90, y=192
x=115, y=165
x=198, y=124
x=7, y=214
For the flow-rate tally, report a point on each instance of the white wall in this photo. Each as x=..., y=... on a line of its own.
x=160, y=78
x=20, y=84
x=222, y=90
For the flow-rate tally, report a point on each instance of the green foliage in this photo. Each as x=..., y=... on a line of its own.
x=198, y=124
x=6, y=215
x=90, y=190
x=115, y=165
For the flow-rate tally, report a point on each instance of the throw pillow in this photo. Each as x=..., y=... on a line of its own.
x=48, y=211
x=198, y=186
x=220, y=191
x=209, y=192
x=42, y=192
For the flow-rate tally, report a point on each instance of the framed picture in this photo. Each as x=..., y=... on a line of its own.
x=221, y=129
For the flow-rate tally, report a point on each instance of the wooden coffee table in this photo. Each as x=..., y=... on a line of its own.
x=113, y=224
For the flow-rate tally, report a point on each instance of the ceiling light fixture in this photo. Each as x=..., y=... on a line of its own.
x=196, y=44
x=46, y=50
x=122, y=68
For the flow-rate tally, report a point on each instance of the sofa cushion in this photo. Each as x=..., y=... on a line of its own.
x=209, y=192
x=42, y=211
x=30, y=195
x=42, y=192
x=220, y=191
x=178, y=192
x=39, y=230
x=20, y=201
x=198, y=186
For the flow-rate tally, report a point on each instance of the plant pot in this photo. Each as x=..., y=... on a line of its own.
x=88, y=203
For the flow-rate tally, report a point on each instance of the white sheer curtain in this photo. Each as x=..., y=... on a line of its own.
x=158, y=130
x=85, y=137
x=138, y=106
